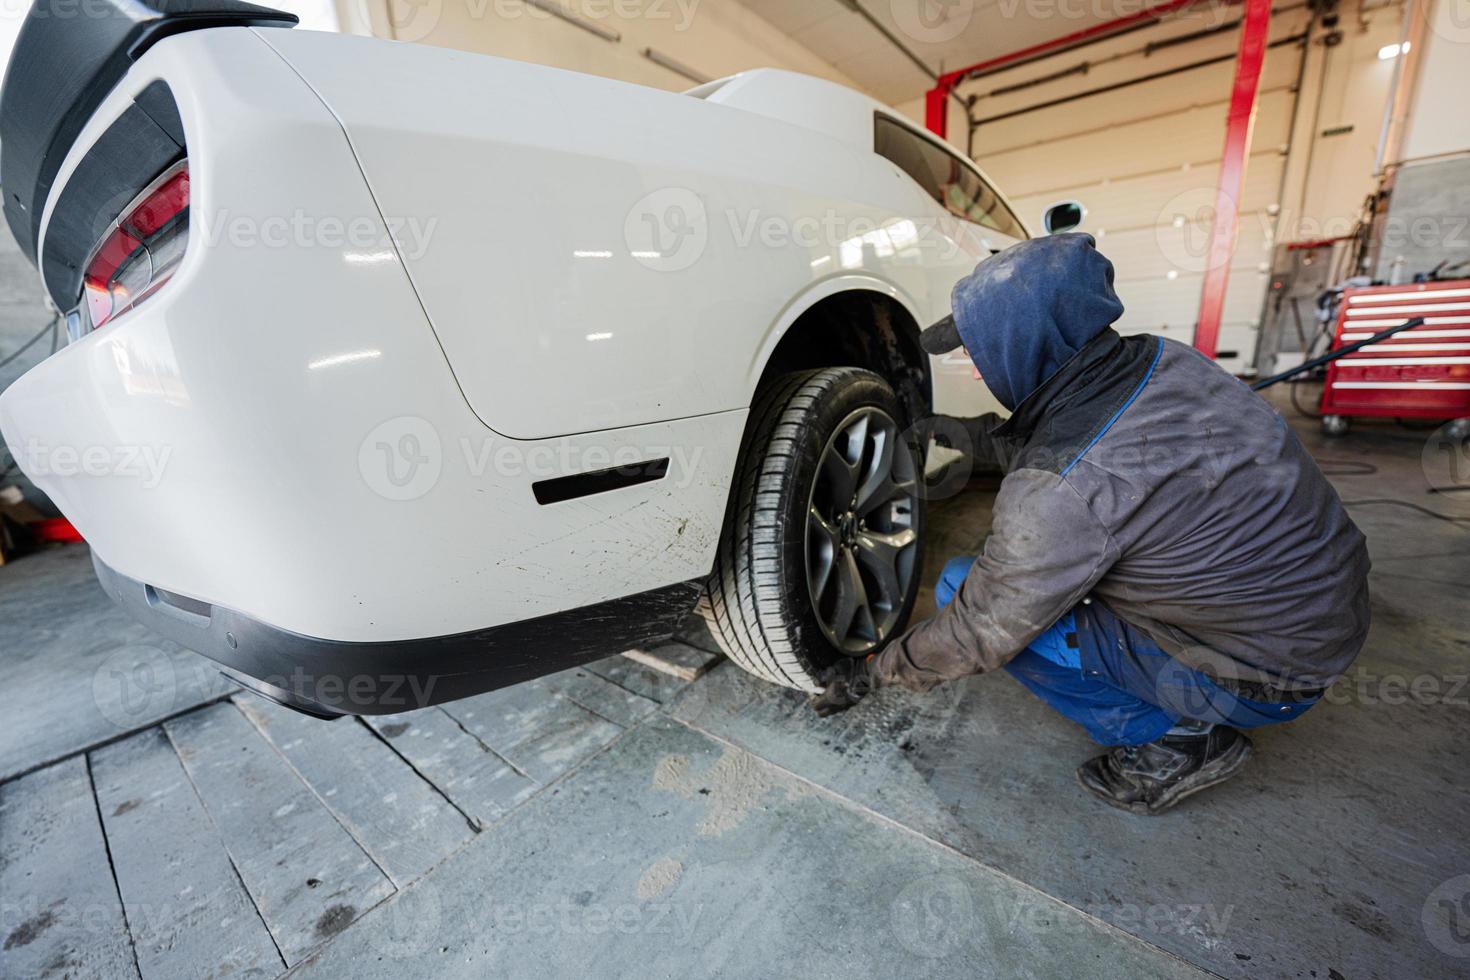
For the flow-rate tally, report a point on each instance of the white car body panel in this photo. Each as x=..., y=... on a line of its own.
x=276, y=380
x=240, y=377
x=534, y=274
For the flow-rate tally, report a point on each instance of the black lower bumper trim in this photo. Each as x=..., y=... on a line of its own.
x=331, y=677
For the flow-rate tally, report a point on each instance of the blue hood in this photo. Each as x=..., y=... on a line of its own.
x=1024, y=312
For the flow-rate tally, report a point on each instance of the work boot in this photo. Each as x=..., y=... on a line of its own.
x=1149, y=779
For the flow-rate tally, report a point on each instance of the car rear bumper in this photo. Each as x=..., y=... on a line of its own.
x=330, y=677
x=277, y=432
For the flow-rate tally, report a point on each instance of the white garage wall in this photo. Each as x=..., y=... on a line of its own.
x=1438, y=122
x=316, y=15
x=1337, y=170
x=1145, y=159
x=713, y=37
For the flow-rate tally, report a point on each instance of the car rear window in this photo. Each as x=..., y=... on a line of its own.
x=944, y=176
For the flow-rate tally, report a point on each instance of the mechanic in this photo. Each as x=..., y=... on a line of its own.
x=1166, y=565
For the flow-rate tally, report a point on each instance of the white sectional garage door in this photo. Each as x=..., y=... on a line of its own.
x=1144, y=159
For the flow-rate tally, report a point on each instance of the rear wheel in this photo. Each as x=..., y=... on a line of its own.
x=821, y=551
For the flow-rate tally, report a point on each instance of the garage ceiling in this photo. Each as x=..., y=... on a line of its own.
x=944, y=34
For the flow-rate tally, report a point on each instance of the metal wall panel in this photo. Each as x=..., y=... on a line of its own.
x=1145, y=160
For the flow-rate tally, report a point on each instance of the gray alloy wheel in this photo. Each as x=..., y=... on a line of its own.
x=821, y=552
x=860, y=532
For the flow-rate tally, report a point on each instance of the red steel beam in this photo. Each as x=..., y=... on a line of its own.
x=936, y=115
x=936, y=110
x=1238, y=127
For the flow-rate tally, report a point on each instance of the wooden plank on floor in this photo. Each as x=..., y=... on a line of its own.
x=306, y=874
x=463, y=768
x=548, y=753
x=539, y=732
x=677, y=660
x=397, y=817
x=600, y=696
x=78, y=670
x=188, y=911
x=643, y=681
x=744, y=872
x=61, y=914
x=502, y=718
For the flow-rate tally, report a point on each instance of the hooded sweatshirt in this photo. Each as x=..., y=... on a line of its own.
x=1142, y=476
x=1030, y=309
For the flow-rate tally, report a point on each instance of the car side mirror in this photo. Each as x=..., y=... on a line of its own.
x=1063, y=216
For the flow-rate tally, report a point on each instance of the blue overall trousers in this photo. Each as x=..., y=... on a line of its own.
x=1115, y=682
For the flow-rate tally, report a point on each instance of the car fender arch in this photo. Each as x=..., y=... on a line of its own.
x=810, y=298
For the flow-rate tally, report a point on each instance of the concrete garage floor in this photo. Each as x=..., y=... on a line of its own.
x=612, y=821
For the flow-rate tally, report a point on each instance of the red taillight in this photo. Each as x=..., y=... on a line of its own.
x=160, y=205
x=142, y=249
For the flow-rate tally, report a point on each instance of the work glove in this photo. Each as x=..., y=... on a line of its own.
x=844, y=684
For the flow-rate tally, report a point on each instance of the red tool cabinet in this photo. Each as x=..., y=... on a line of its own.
x=1421, y=373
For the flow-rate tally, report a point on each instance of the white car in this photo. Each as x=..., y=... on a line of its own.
x=398, y=374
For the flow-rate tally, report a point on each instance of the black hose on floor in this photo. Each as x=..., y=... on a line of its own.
x=50, y=326
x=1346, y=467
x=1300, y=409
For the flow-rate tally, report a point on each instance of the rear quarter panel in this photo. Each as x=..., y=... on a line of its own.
x=594, y=254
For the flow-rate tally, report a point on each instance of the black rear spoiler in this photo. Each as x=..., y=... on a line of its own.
x=67, y=58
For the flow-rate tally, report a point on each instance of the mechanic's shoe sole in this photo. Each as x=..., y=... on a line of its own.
x=1212, y=773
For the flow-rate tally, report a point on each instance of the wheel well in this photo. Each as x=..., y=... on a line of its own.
x=858, y=328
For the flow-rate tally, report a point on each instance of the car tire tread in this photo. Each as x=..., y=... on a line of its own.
x=747, y=602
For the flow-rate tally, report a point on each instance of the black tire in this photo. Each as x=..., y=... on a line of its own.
x=758, y=601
